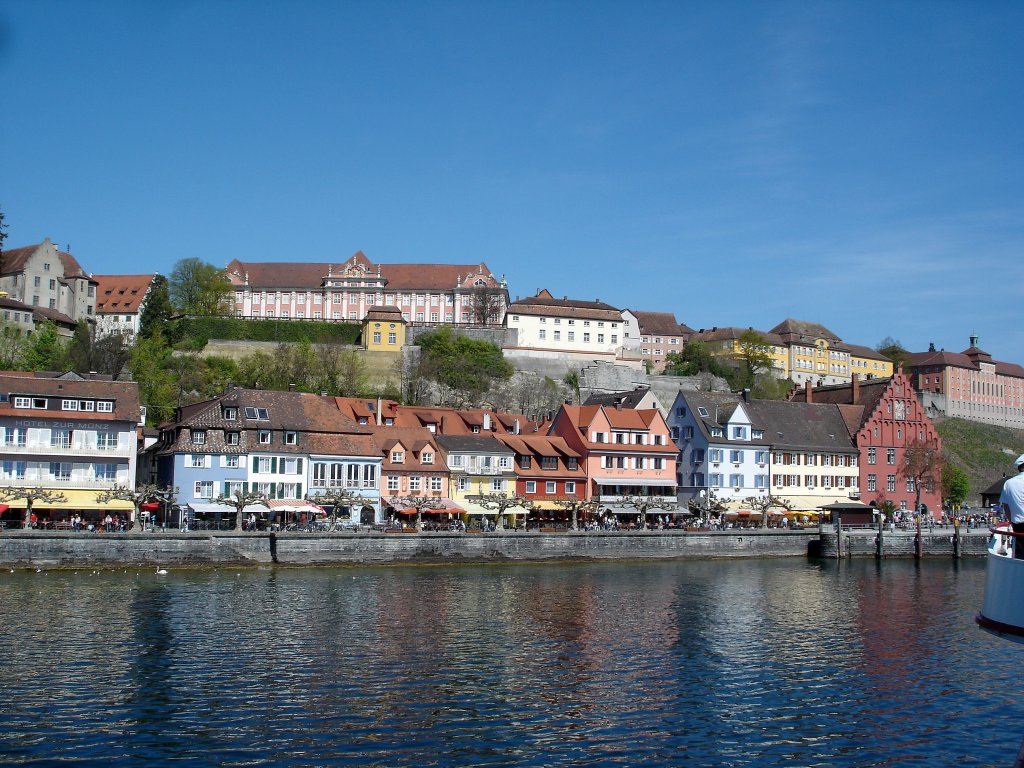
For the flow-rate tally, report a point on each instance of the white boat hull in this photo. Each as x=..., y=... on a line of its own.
x=1002, y=612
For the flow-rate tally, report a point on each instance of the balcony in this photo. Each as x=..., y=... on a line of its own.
x=45, y=449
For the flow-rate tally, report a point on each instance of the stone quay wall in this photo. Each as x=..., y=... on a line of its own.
x=938, y=542
x=58, y=549
x=48, y=549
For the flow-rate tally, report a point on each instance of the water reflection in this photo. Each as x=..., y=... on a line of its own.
x=708, y=663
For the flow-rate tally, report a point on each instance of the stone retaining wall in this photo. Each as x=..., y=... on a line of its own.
x=862, y=542
x=45, y=549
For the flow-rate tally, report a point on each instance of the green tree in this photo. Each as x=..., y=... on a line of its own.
x=464, y=368
x=45, y=351
x=695, y=359
x=12, y=346
x=893, y=350
x=956, y=486
x=754, y=358
x=767, y=387
x=108, y=354
x=157, y=309
x=150, y=366
x=198, y=288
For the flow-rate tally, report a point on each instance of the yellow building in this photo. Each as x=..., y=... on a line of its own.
x=384, y=329
x=802, y=352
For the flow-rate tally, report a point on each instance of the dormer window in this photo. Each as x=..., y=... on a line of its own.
x=230, y=414
x=258, y=414
x=231, y=438
x=428, y=458
x=397, y=457
x=702, y=411
x=264, y=436
x=572, y=463
x=291, y=438
x=199, y=437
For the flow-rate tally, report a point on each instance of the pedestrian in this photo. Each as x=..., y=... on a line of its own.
x=1012, y=501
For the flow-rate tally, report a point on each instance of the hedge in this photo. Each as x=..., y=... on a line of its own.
x=199, y=330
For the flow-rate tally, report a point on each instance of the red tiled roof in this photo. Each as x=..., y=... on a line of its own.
x=276, y=275
x=124, y=394
x=660, y=324
x=14, y=261
x=120, y=294
x=544, y=304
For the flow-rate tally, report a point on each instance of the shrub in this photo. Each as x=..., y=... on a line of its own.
x=196, y=331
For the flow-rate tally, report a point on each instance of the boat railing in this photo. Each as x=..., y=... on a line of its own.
x=1003, y=539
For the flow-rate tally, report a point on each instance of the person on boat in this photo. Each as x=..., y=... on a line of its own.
x=1012, y=501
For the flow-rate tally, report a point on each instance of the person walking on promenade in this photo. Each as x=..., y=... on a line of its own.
x=1012, y=501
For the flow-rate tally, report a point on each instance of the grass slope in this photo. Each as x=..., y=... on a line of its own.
x=985, y=452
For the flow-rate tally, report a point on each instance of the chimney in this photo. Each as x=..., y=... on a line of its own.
x=487, y=422
x=854, y=388
x=618, y=405
x=323, y=393
x=746, y=395
x=515, y=426
x=291, y=387
x=380, y=405
x=809, y=391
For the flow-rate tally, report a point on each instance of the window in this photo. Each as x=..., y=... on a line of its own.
x=871, y=456
x=392, y=338
x=600, y=338
x=890, y=483
x=570, y=487
x=60, y=438
x=15, y=436
x=265, y=464
x=761, y=457
x=586, y=336
x=435, y=483
x=457, y=460
x=61, y=471
x=231, y=438
x=427, y=457
x=572, y=335
x=291, y=466
x=377, y=337
x=392, y=482
x=199, y=437
x=715, y=480
x=531, y=486
x=549, y=487
x=22, y=402
x=197, y=460
x=736, y=481
x=230, y=461
x=203, y=489
x=291, y=438
x=910, y=485
x=497, y=485
x=397, y=457
x=69, y=405
x=369, y=476
x=414, y=482
x=715, y=455
x=106, y=441
x=258, y=414
x=14, y=470
x=542, y=334
x=736, y=457
x=264, y=437
x=549, y=462
x=890, y=456
x=872, y=482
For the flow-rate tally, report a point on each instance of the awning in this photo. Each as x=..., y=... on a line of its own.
x=76, y=499
x=635, y=481
x=438, y=505
x=284, y=505
x=149, y=506
x=212, y=509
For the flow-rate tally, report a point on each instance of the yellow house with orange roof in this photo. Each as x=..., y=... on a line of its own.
x=383, y=329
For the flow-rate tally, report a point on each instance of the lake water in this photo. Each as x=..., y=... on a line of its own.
x=712, y=663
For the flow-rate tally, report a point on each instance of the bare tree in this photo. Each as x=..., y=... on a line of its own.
x=922, y=463
x=485, y=304
x=706, y=504
x=147, y=492
x=335, y=498
x=238, y=501
x=501, y=503
x=644, y=504
x=576, y=507
x=31, y=496
x=418, y=502
x=763, y=504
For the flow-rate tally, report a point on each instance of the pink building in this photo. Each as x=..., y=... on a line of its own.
x=425, y=293
x=626, y=452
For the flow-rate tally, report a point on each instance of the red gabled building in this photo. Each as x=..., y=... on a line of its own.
x=546, y=469
x=884, y=418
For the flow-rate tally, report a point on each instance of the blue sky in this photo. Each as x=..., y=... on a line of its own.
x=853, y=164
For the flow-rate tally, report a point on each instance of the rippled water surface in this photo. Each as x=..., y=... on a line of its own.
x=668, y=664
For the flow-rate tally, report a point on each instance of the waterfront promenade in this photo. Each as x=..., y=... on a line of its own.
x=60, y=549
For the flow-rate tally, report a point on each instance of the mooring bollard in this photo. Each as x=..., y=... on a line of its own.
x=879, y=544
x=956, y=539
